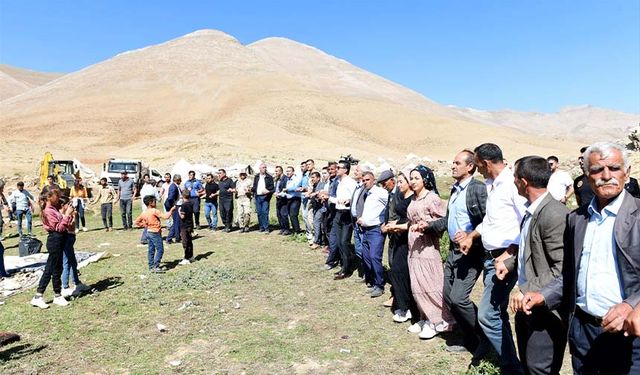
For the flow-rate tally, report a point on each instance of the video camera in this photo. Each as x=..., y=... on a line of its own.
x=349, y=159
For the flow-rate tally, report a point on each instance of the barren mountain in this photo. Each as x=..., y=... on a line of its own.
x=580, y=123
x=206, y=97
x=15, y=81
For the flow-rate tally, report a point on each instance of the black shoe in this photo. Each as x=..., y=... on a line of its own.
x=7, y=338
x=286, y=233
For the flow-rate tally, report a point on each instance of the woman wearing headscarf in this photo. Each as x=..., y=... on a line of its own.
x=425, y=262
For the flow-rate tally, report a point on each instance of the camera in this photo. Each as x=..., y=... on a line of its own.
x=349, y=159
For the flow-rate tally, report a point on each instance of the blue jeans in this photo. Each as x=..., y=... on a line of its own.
x=69, y=262
x=3, y=272
x=156, y=249
x=211, y=214
x=262, y=209
x=372, y=248
x=494, y=318
x=174, y=231
x=19, y=215
x=143, y=237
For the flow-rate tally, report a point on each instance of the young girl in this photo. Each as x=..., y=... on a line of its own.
x=79, y=197
x=57, y=224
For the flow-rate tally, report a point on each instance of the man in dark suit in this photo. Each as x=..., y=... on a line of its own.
x=632, y=187
x=541, y=333
x=600, y=283
x=263, y=188
x=465, y=210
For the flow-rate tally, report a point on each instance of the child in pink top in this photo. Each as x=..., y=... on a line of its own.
x=57, y=223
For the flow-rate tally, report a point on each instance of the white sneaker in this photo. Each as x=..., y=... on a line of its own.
x=417, y=327
x=67, y=292
x=427, y=332
x=39, y=302
x=444, y=327
x=81, y=288
x=402, y=316
x=77, y=230
x=184, y=262
x=60, y=301
x=84, y=229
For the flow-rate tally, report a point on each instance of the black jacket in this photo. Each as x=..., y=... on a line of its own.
x=268, y=184
x=632, y=187
x=476, y=200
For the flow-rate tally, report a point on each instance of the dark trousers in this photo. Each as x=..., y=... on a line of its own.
x=262, y=209
x=53, y=268
x=80, y=214
x=226, y=212
x=196, y=211
x=126, y=206
x=106, y=210
x=594, y=351
x=460, y=275
x=293, y=208
x=344, y=232
x=282, y=213
x=174, y=230
x=372, y=249
x=541, y=338
x=187, y=242
x=334, y=250
x=3, y=272
x=319, y=235
x=400, y=279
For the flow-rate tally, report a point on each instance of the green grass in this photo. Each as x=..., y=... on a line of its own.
x=259, y=304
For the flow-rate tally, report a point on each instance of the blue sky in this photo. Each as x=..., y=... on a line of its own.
x=489, y=54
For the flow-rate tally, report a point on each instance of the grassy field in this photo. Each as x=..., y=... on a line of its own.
x=252, y=303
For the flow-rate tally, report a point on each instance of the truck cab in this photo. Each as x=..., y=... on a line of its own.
x=112, y=169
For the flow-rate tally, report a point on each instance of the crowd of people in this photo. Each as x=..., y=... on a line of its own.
x=576, y=274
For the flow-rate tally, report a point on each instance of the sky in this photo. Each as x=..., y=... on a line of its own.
x=538, y=55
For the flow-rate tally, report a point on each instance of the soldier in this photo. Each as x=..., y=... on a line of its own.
x=243, y=201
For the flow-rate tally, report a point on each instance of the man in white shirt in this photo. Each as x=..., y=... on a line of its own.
x=375, y=204
x=23, y=201
x=500, y=233
x=343, y=220
x=560, y=183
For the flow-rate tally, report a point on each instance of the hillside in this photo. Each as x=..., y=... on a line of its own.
x=206, y=97
x=15, y=81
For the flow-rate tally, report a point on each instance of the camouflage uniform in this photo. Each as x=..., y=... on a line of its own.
x=243, y=202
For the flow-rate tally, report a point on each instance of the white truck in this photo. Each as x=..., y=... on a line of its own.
x=112, y=169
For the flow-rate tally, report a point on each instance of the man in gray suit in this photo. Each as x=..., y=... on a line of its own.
x=600, y=283
x=540, y=332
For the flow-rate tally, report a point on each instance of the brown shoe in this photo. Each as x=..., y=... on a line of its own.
x=7, y=338
x=315, y=246
x=341, y=276
x=388, y=303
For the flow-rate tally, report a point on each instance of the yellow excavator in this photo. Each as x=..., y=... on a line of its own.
x=64, y=172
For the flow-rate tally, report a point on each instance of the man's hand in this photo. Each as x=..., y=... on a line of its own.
x=531, y=300
x=515, y=302
x=465, y=241
x=632, y=323
x=613, y=320
x=501, y=269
